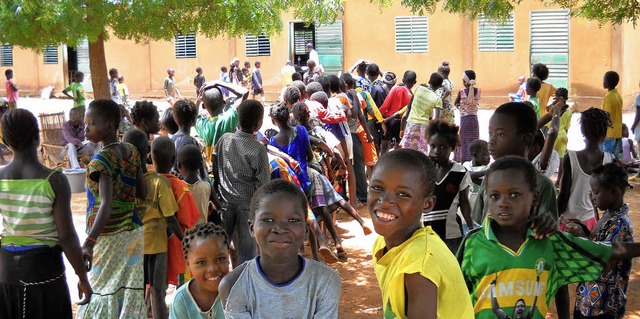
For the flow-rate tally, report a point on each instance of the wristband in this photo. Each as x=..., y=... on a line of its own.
x=91, y=240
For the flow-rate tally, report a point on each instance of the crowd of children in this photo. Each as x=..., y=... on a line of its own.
x=224, y=215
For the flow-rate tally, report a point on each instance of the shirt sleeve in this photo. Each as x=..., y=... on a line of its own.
x=577, y=259
x=438, y=104
x=329, y=298
x=166, y=201
x=178, y=309
x=547, y=192
x=68, y=135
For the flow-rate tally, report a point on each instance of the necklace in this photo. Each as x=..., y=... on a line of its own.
x=111, y=144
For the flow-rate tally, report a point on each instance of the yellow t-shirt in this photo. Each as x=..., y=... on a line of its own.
x=546, y=91
x=159, y=204
x=612, y=103
x=427, y=254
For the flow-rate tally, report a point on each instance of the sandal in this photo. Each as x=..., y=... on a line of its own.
x=327, y=254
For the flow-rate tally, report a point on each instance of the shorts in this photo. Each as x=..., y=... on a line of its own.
x=155, y=270
x=258, y=91
x=393, y=130
x=613, y=146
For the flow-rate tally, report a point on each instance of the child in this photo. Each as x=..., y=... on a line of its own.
x=124, y=91
x=114, y=233
x=157, y=212
x=37, y=229
x=241, y=166
x=424, y=105
x=547, y=90
x=629, y=155
x=452, y=186
x=168, y=125
x=256, y=82
x=145, y=117
x=77, y=94
x=11, y=89
x=397, y=98
x=170, y=87
x=206, y=249
x=416, y=272
x=73, y=139
x=608, y=184
x=189, y=163
x=502, y=262
x=198, y=80
x=224, y=78
x=163, y=154
x=549, y=166
x=184, y=113
x=612, y=104
x=573, y=200
x=113, y=86
x=445, y=92
x=477, y=167
x=533, y=86
x=512, y=128
x=292, y=286
x=467, y=101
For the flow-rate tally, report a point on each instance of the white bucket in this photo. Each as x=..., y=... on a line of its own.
x=76, y=177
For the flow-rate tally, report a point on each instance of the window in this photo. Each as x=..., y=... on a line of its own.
x=185, y=45
x=495, y=36
x=301, y=38
x=6, y=55
x=50, y=54
x=257, y=46
x=412, y=34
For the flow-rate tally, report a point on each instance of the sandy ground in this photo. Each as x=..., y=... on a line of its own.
x=360, y=293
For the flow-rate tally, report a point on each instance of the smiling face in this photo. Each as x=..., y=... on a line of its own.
x=439, y=149
x=504, y=138
x=279, y=225
x=208, y=262
x=396, y=200
x=96, y=128
x=510, y=198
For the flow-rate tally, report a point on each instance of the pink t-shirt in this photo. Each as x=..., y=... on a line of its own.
x=12, y=95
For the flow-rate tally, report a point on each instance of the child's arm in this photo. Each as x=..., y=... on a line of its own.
x=67, y=236
x=174, y=226
x=403, y=121
x=477, y=176
x=14, y=86
x=422, y=297
x=227, y=283
x=565, y=185
x=636, y=120
x=465, y=207
x=544, y=225
x=632, y=147
x=105, y=185
x=141, y=184
x=65, y=92
x=276, y=152
x=363, y=122
x=552, y=134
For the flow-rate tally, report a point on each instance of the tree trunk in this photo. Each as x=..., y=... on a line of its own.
x=98, y=66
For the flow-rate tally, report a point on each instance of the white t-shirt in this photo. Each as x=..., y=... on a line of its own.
x=313, y=55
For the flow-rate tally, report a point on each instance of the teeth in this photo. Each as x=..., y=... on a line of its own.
x=385, y=216
x=213, y=278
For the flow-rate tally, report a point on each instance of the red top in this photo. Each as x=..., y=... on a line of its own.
x=398, y=98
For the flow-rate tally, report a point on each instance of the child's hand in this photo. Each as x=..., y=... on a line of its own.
x=87, y=255
x=84, y=288
x=544, y=225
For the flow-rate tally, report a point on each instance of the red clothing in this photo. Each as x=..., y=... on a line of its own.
x=187, y=217
x=398, y=98
x=12, y=94
x=317, y=110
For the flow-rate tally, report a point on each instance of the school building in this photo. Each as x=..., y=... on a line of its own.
x=578, y=52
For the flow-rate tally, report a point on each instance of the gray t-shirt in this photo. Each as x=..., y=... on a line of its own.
x=315, y=293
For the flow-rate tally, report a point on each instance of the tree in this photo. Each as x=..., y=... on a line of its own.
x=36, y=23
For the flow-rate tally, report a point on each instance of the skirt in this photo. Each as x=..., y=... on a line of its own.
x=416, y=136
x=33, y=284
x=117, y=277
x=469, y=132
x=322, y=194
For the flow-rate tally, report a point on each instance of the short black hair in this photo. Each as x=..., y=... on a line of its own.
x=611, y=175
x=612, y=78
x=334, y=83
x=223, y=69
x=250, y=112
x=299, y=109
x=137, y=138
x=19, y=129
x=112, y=71
x=445, y=129
x=280, y=114
x=563, y=93
x=301, y=87
x=478, y=145
x=278, y=186
x=78, y=75
x=436, y=79
x=324, y=81
x=143, y=110
x=518, y=163
x=213, y=98
x=296, y=76
x=540, y=71
x=202, y=231
x=409, y=77
x=184, y=112
x=412, y=159
x=362, y=67
x=190, y=157
x=256, y=63
x=168, y=123
x=321, y=98
x=594, y=123
x=8, y=72
x=525, y=117
x=291, y=94
x=164, y=148
x=198, y=69
x=534, y=84
x=348, y=80
x=373, y=70
x=444, y=68
x=107, y=109
x=314, y=87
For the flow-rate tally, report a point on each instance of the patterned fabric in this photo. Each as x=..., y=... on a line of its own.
x=416, y=137
x=530, y=275
x=613, y=146
x=280, y=169
x=124, y=173
x=607, y=294
x=448, y=110
x=26, y=207
x=117, y=278
x=469, y=132
x=298, y=150
x=363, y=83
x=468, y=107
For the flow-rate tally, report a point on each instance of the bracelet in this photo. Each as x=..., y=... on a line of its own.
x=91, y=240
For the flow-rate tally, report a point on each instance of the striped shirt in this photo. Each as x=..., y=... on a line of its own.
x=26, y=207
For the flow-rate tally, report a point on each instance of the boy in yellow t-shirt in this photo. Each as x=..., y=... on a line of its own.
x=612, y=103
x=157, y=212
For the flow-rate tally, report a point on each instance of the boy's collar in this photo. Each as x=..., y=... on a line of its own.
x=490, y=235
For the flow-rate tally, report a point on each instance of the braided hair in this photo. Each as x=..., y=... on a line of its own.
x=562, y=92
x=594, y=123
x=202, y=231
x=143, y=110
x=612, y=175
x=19, y=129
x=446, y=130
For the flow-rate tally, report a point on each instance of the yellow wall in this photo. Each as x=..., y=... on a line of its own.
x=31, y=74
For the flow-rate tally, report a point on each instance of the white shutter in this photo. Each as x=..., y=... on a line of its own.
x=301, y=38
x=6, y=55
x=82, y=49
x=412, y=34
x=185, y=45
x=550, y=43
x=329, y=46
x=50, y=54
x=496, y=36
x=257, y=45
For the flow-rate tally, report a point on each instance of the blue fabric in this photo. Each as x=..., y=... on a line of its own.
x=298, y=150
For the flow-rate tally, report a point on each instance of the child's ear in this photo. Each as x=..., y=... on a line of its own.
x=250, y=222
x=527, y=139
x=428, y=203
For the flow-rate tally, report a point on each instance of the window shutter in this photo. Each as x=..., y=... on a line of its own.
x=302, y=37
x=412, y=34
x=50, y=54
x=257, y=45
x=496, y=36
x=185, y=45
x=6, y=55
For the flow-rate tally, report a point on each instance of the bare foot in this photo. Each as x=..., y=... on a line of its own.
x=327, y=254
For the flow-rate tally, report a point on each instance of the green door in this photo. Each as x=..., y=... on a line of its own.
x=550, y=44
x=329, y=46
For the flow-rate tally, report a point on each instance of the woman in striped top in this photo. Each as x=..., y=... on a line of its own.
x=36, y=228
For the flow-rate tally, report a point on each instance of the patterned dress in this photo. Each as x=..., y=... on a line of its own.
x=447, y=112
x=469, y=127
x=607, y=295
x=117, y=275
